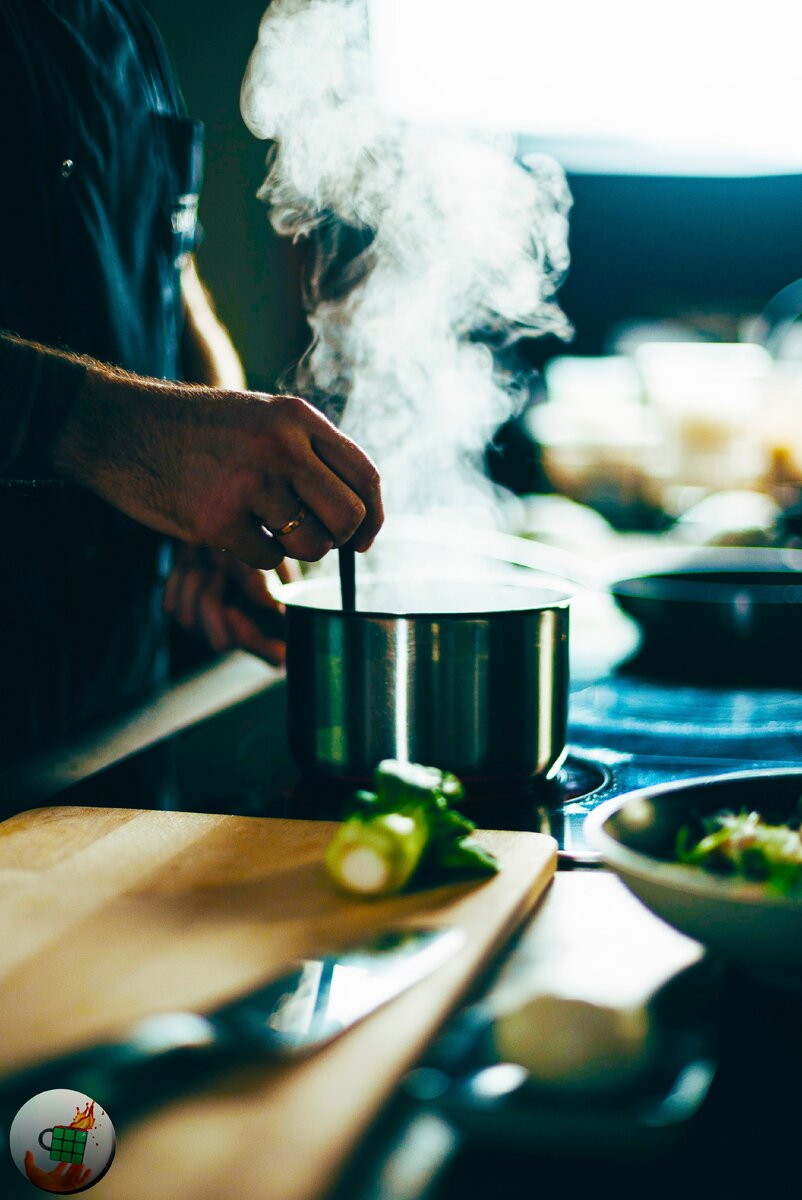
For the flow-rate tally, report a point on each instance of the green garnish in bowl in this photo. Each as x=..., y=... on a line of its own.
x=746, y=845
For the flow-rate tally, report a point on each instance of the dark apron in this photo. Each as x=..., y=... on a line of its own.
x=99, y=177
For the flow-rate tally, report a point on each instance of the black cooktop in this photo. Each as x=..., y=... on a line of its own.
x=643, y=716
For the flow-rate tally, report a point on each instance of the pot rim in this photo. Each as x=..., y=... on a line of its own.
x=558, y=599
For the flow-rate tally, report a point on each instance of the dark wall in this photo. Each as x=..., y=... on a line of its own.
x=253, y=275
x=663, y=247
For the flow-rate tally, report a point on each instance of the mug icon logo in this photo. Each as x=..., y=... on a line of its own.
x=62, y=1141
x=66, y=1144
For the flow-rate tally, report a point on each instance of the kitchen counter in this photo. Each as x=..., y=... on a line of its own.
x=590, y=933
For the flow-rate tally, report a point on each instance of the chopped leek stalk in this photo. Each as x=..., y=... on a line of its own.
x=404, y=829
x=376, y=857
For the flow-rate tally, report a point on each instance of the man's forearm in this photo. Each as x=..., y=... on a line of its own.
x=40, y=385
x=38, y=389
x=69, y=416
x=122, y=439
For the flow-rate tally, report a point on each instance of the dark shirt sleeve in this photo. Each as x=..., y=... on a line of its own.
x=37, y=391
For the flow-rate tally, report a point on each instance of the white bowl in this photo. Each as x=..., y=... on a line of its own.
x=746, y=922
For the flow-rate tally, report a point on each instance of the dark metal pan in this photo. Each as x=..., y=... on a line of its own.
x=721, y=616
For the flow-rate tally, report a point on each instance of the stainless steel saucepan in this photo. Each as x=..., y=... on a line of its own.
x=468, y=676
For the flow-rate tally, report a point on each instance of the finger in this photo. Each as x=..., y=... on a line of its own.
x=248, y=636
x=212, y=616
x=336, y=505
x=256, y=587
x=310, y=541
x=255, y=584
x=171, y=591
x=330, y=474
x=251, y=543
x=188, y=596
x=288, y=571
x=352, y=465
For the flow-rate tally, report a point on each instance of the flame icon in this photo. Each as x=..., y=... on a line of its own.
x=84, y=1118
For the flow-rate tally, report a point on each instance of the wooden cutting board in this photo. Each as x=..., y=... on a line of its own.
x=109, y=914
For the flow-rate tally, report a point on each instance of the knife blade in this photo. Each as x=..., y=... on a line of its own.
x=306, y=1007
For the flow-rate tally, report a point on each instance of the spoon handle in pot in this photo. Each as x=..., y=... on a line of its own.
x=347, y=563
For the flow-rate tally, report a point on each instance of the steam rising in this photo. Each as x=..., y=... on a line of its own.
x=433, y=247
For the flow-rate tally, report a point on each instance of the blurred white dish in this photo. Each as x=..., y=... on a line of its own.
x=745, y=922
x=730, y=518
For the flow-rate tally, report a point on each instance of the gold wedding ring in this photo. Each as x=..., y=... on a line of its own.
x=291, y=526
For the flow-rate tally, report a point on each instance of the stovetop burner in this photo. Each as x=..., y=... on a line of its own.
x=494, y=807
x=556, y=806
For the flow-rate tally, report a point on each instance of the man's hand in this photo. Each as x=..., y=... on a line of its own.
x=62, y=1179
x=213, y=594
x=223, y=469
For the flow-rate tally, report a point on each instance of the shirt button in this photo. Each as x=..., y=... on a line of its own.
x=67, y=168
